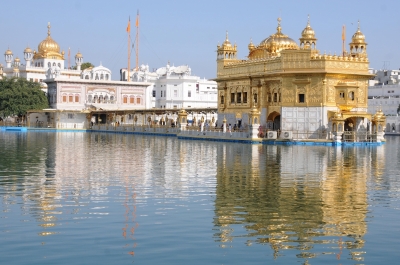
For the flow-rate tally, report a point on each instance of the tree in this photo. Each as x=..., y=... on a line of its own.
x=398, y=109
x=83, y=66
x=18, y=95
x=86, y=65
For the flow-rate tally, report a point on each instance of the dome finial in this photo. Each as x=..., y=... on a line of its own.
x=226, y=38
x=279, y=25
x=48, y=29
x=358, y=25
x=308, y=20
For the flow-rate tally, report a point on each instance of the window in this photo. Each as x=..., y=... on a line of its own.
x=351, y=95
x=131, y=100
x=161, y=93
x=76, y=98
x=244, y=97
x=138, y=101
x=301, y=98
x=341, y=95
x=70, y=98
x=125, y=99
x=154, y=93
x=275, y=97
x=70, y=115
x=31, y=79
x=64, y=98
x=222, y=100
x=239, y=98
x=232, y=97
x=175, y=93
x=189, y=93
x=255, y=98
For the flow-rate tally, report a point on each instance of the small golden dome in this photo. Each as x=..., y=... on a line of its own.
x=226, y=43
x=27, y=50
x=358, y=37
x=251, y=45
x=308, y=32
x=78, y=55
x=17, y=60
x=8, y=52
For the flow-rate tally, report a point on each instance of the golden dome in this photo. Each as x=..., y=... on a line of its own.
x=27, y=50
x=251, y=45
x=8, y=52
x=308, y=32
x=17, y=60
x=272, y=45
x=226, y=43
x=49, y=48
x=78, y=55
x=278, y=41
x=358, y=37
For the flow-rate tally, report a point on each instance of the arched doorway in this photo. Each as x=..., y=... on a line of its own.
x=349, y=124
x=274, y=121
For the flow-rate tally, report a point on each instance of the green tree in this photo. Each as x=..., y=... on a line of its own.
x=398, y=109
x=83, y=66
x=18, y=95
x=86, y=65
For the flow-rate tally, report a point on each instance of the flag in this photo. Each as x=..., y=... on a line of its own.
x=128, y=28
x=344, y=32
x=69, y=52
x=137, y=20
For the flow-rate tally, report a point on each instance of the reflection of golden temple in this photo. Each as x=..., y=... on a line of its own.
x=300, y=197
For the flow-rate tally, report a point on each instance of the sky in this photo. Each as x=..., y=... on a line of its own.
x=187, y=32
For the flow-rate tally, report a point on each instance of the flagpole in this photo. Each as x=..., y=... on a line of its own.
x=128, y=29
x=137, y=41
x=343, y=39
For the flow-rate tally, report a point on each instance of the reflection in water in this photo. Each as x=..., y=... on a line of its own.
x=295, y=197
x=298, y=201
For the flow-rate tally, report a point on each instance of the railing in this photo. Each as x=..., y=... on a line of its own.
x=350, y=136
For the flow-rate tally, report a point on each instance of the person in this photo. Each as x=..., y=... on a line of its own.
x=230, y=127
x=234, y=127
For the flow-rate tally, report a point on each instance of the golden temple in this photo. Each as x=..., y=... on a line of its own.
x=294, y=88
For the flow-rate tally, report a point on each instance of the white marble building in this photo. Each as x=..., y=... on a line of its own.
x=175, y=87
x=384, y=94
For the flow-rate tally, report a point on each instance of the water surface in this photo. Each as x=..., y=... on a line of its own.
x=93, y=198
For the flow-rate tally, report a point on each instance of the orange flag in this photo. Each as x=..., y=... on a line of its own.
x=128, y=28
x=137, y=20
x=344, y=32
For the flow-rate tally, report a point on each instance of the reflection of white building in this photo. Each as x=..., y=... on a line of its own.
x=384, y=94
x=175, y=87
x=47, y=60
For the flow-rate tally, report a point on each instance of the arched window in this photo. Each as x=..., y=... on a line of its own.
x=137, y=100
x=90, y=99
x=106, y=99
x=125, y=99
x=87, y=77
x=106, y=76
x=59, y=65
x=131, y=100
x=101, y=77
x=97, y=77
x=112, y=99
x=76, y=98
x=54, y=64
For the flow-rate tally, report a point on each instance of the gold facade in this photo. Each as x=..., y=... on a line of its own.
x=279, y=73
